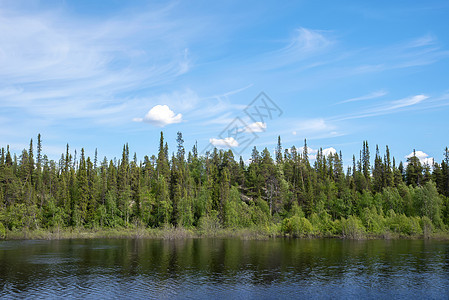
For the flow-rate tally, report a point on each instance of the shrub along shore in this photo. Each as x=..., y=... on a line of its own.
x=397, y=227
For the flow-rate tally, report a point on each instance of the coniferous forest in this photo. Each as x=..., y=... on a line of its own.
x=283, y=195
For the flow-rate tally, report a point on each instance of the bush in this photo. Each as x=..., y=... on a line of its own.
x=297, y=226
x=427, y=226
x=209, y=223
x=428, y=202
x=352, y=228
x=322, y=223
x=403, y=224
x=274, y=230
x=2, y=231
x=415, y=225
x=373, y=222
x=337, y=226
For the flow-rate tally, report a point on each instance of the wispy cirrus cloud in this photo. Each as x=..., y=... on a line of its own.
x=304, y=48
x=405, y=102
x=386, y=108
x=54, y=66
x=421, y=51
x=309, y=128
x=422, y=41
x=369, y=96
x=306, y=42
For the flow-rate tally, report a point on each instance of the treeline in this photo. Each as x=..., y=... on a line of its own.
x=284, y=194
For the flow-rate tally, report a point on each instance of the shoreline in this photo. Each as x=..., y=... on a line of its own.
x=173, y=233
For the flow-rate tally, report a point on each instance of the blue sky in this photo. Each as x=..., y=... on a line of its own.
x=98, y=74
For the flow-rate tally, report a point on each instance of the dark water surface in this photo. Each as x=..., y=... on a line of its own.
x=224, y=268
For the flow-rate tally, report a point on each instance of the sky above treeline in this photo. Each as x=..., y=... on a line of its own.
x=99, y=74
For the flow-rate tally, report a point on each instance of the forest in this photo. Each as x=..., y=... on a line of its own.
x=284, y=194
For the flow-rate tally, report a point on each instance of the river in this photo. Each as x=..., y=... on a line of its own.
x=224, y=269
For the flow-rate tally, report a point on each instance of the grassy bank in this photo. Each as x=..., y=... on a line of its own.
x=135, y=233
x=183, y=233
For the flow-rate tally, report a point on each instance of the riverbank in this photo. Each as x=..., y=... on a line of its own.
x=135, y=233
x=184, y=233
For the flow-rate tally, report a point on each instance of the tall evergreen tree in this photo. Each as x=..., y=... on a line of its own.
x=414, y=170
x=279, y=151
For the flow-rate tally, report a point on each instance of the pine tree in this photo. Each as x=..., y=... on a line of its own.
x=279, y=152
x=92, y=190
x=414, y=170
x=95, y=159
x=83, y=188
x=445, y=171
x=180, y=155
x=31, y=173
x=135, y=182
x=162, y=167
x=163, y=209
x=378, y=172
x=39, y=152
x=389, y=176
x=366, y=162
x=207, y=190
x=305, y=153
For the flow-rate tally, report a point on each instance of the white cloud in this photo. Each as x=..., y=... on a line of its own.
x=407, y=102
x=309, y=150
x=305, y=46
x=186, y=99
x=365, y=97
x=388, y=108
x=307, y=41
x=423, y=157
x=328, y=151
x=313, y=152
x=160, y=115
x=218, y=108
x=419, y=52
x=56, y=66
x=228, y=142
x=423, y=41
x=313, y=127
x=255, y=127
x=428, y=161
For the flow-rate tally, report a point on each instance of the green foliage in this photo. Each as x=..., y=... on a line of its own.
x=54, y=216
x=428, y=202
x=322, y=223
x=185, y=212
x=373, y=221
x=209, y=223
x=404, y=225
x=427, y=226
x=297, y=226
x=392, y=200
x=259, y=212
x=2, y=231
x=164, y=207
x=352, y=228
x=285, y=195
x=20, y=216
x=231, y=209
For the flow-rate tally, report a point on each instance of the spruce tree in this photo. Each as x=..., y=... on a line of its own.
x=279, y=152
